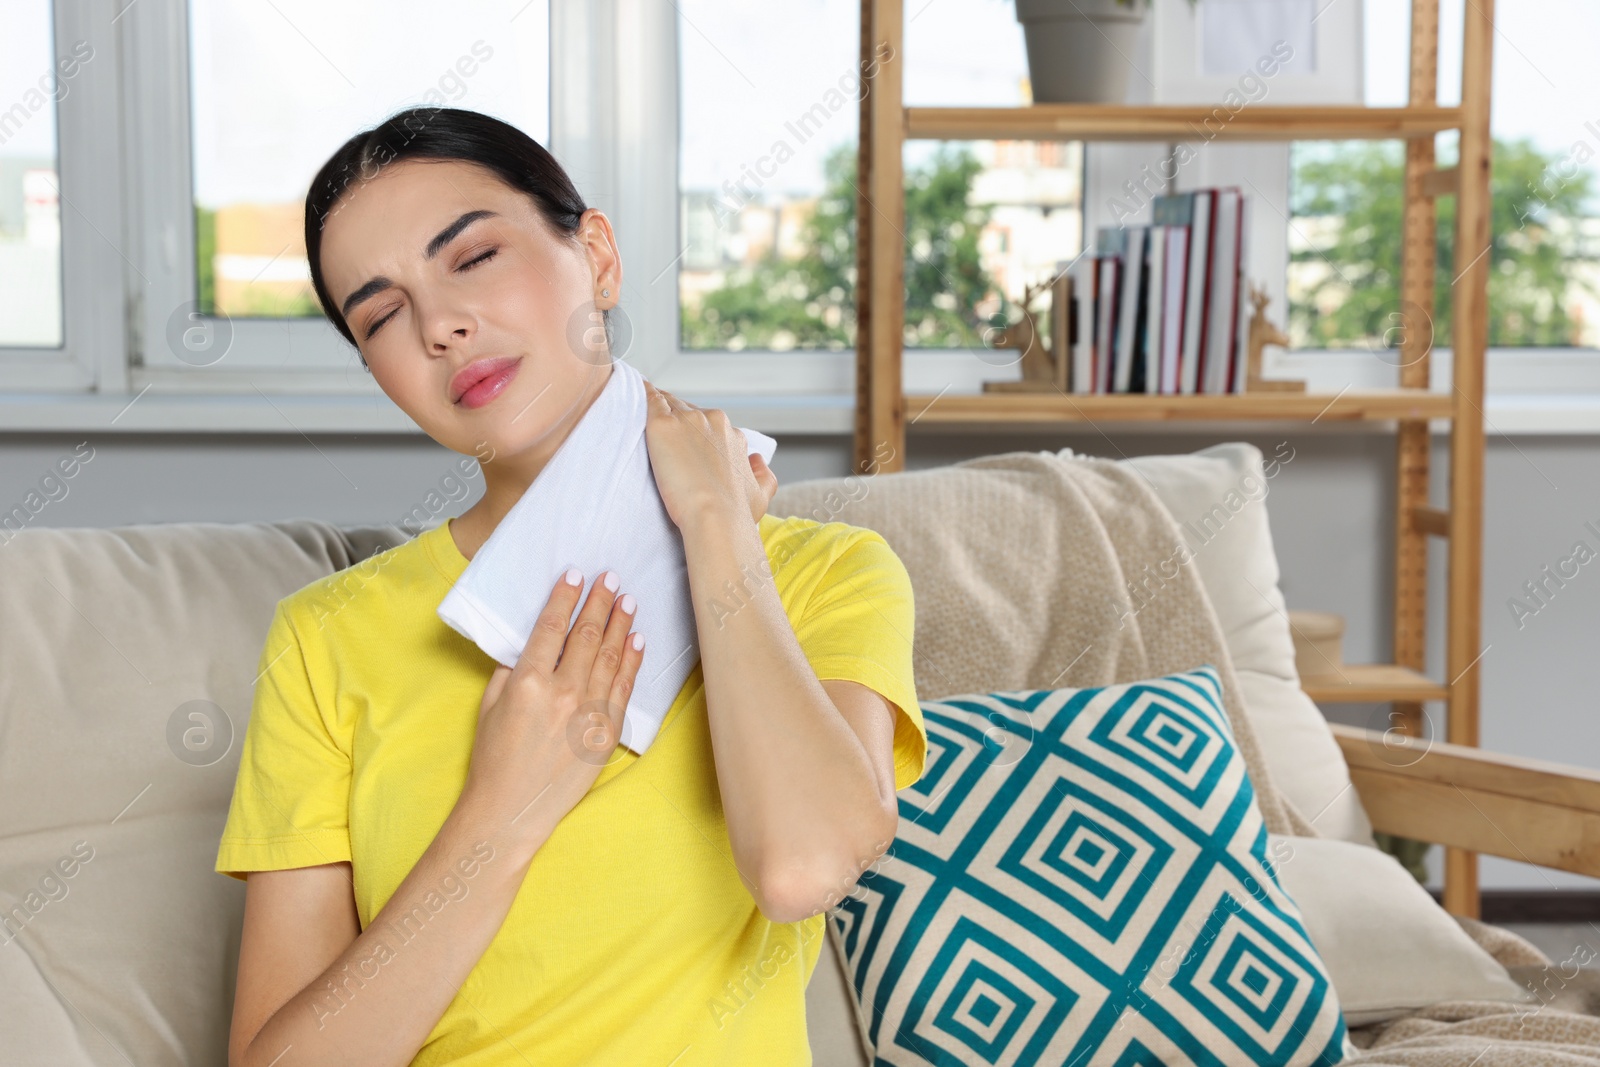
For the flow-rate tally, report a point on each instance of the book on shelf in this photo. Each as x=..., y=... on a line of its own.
x=1162, y=306
x=1149, y=378
x=1083, y=272
x=1105, y=337
x=1128, y=318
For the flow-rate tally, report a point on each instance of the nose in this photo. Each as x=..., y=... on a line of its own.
x=448, y=330
x=447, y=320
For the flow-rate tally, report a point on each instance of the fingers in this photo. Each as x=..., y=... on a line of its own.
x=765, y=477
x=550, y=629
x=672, y=402
x=577, y=657
x=616, y=662
x=496, y=685
x=660, y=399
x=714, y=421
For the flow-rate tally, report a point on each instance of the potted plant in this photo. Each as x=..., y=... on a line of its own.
x=1079, y=51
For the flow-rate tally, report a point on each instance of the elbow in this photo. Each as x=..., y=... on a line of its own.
x=791, y=900
x=799, y=890
x=784, y=891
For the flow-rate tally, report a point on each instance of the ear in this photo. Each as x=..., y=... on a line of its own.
x=594, y=228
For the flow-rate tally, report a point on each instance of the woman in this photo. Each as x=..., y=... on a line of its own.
x=446, y=861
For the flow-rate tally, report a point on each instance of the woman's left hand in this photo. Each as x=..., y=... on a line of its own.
x=701, y=461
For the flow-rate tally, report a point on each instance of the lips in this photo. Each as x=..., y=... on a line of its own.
x=475, y=372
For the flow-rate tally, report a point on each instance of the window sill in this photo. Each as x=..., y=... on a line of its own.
x=300, y=413
x=825, y=414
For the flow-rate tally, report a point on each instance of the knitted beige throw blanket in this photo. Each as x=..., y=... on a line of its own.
x=1037, y=570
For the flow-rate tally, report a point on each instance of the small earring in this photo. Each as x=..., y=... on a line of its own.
x=605, y=292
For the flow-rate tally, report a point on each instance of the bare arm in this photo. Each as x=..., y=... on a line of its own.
x=806, y=767
x=371, y=996
x=314, y=986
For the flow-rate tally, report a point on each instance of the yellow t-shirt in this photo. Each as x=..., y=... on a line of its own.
x=631, y=939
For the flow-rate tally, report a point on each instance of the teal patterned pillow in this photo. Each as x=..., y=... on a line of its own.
x=1081, y=877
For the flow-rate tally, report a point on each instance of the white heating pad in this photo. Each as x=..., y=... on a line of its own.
x=595, y=506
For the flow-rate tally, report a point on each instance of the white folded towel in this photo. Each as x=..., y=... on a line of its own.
x=594, y=506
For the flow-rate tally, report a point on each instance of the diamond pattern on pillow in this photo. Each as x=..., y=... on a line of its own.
x=1081, y=876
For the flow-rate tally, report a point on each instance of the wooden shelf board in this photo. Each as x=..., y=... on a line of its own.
x=1361, y=682
x=1052, y=406
x=1108, y=122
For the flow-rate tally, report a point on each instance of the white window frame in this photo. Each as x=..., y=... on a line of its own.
x=614, y=125
x=93, y=350
x=283, y=356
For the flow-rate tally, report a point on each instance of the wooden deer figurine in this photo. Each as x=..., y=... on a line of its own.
x=1264, y=333
x=1041, y=369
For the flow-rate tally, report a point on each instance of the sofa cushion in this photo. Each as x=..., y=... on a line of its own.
x=1081, y=876
x=1389, y=947
x=1218, y=496
x=127, y=659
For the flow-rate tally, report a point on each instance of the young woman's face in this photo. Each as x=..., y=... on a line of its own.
x=428, y=297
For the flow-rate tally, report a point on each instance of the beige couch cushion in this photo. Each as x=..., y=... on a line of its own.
x=111, y=642
x=1219, y=498
x=1389, y=948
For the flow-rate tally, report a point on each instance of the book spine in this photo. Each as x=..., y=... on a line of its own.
x=1201, y=236
x=1083, y=295
x=1224, y=302
x=1154, y=308
x=1107, y=339
x=1241, y=295
x=1128, y=310
x=1177, y=301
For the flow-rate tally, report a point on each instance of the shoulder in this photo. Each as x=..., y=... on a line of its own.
x=357, y=595
x=806, y=553
x=797, y=540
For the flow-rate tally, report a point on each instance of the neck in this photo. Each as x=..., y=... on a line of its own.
x=507, y=477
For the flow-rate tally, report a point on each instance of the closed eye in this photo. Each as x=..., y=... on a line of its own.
x=471, y=263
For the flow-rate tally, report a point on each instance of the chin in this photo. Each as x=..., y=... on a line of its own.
x=501, y=437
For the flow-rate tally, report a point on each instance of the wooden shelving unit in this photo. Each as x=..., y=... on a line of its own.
x=1073, y=407
x=1376, y=682
x=1094, y=122
x=883, y=411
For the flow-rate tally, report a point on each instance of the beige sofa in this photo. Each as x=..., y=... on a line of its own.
x=126, y=663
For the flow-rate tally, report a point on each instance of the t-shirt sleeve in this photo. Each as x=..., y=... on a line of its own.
x=858, y=625
x=291, y=800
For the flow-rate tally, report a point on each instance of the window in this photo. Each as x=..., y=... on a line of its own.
x=768, y=127
x=149, y=207
x=244, y=301
x=60, y=216
x=1544, y=282
x=767, y=178
x=30, y=209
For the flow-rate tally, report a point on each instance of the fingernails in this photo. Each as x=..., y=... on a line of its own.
x=638, y=641
x=627, y=606
x=611, y=580
x=573, y=576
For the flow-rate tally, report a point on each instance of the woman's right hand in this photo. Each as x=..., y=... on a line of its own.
x=547, y=726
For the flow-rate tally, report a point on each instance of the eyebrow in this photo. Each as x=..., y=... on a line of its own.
x=376, y=285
